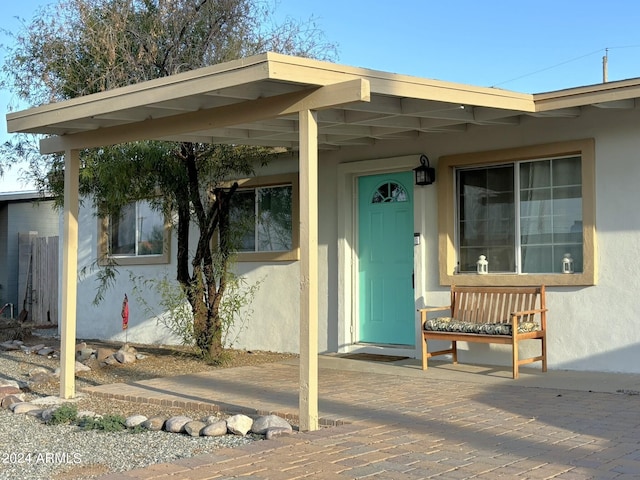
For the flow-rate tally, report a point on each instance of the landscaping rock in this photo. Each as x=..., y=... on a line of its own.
x=194, y=428
x=45, y=351
x=110, y=360
x=210, y=419
x=9, y=383
x=103, y=353
x=176, y=424
x=154, y=423
x=6, y=390
x=9, y=401
x=128, y=348
x=81, y=367
x=215, y=429
x=239, y=424
x=84, y=354
x=262, y=424
x=124, y=357
x=23, y=407
x=135, y=420
x=48, y=413
x=11, y=345
x=33, y=348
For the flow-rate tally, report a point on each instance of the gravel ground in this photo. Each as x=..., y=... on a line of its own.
x=32, y=450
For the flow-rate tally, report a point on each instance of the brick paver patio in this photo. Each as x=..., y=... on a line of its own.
x=397, y=422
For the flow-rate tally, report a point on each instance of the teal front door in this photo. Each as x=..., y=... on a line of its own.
x=385, y=259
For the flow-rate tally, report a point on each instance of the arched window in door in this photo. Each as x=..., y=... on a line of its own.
x=390, y=192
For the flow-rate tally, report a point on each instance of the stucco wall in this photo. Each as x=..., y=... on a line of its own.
x=590, y=328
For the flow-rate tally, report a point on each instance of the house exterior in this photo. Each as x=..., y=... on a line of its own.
x=23, y=217
x=523, y=179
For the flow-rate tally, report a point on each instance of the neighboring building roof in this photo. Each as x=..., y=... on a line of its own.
x=246, y=102
x=22, y=196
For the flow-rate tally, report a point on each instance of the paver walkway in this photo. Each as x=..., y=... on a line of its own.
x=402, y=423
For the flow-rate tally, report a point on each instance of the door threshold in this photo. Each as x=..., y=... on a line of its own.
x=381, y=349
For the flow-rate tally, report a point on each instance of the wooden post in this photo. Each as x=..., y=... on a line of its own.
x=308, y=162
x=69, y=285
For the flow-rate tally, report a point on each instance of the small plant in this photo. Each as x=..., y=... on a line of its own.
x=105, y=423
x=66, y=413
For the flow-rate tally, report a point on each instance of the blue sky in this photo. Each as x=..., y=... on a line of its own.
x=529, y=46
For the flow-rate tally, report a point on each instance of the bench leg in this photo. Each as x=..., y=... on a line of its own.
x=454, y=352
x=544, y=352
x=515, y=359
x=424, y=353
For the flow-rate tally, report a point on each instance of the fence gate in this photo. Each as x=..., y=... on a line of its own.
x=37, y=279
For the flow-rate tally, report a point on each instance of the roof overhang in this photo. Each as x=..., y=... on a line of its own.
x=254, y=101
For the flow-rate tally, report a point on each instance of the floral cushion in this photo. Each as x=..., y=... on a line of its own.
x=448, y=324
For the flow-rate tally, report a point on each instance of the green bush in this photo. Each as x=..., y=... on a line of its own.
x=105, y=423
x=66, y=413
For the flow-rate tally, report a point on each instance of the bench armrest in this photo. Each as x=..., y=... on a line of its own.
x=424, y=311
x=528, y=312
x=516, y=315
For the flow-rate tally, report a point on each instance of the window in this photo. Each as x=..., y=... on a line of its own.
x=390, y=192
x=527, y=229
x=139, y=235
x=263, y=214
x=524, y=209
x=262, y=218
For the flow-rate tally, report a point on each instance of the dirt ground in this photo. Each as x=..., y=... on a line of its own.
x=157, y=361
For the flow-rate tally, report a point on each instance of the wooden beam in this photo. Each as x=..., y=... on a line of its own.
x=219, y=117
x=308, y=160
x=69, y=273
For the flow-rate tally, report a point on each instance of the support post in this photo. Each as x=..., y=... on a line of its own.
x=69, y=273
x=308, y=163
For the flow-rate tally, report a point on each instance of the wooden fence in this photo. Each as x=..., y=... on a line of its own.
x=38, y=274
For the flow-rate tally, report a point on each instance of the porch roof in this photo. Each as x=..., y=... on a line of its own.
x=245, y=102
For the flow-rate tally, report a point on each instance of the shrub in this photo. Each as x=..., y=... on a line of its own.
x=66, y=413
x=105, y=423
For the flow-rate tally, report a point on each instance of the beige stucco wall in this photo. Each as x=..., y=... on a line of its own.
x=590, y=328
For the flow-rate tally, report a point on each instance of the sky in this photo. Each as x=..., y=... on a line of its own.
x=528, y=46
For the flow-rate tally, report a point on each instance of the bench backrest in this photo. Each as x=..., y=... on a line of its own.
x=494, y=304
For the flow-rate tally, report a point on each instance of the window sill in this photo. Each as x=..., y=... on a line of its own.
x=289, y=256
x=522, y=280
x=141, y=260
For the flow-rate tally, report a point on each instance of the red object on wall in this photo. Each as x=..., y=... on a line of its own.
x=125, y=312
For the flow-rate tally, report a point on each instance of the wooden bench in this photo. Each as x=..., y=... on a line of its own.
x=503, y=315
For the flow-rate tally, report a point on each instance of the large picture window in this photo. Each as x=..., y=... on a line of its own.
x=525, y=209
x=137, y=235
x=525, y=217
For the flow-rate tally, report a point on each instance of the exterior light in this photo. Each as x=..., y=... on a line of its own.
x=567, y=263
x=425, y=175
x=483, y=265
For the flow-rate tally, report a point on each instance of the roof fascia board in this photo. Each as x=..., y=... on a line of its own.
x=219, y=117
x=228, y=74
x=294, y=69
x=589, y=95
